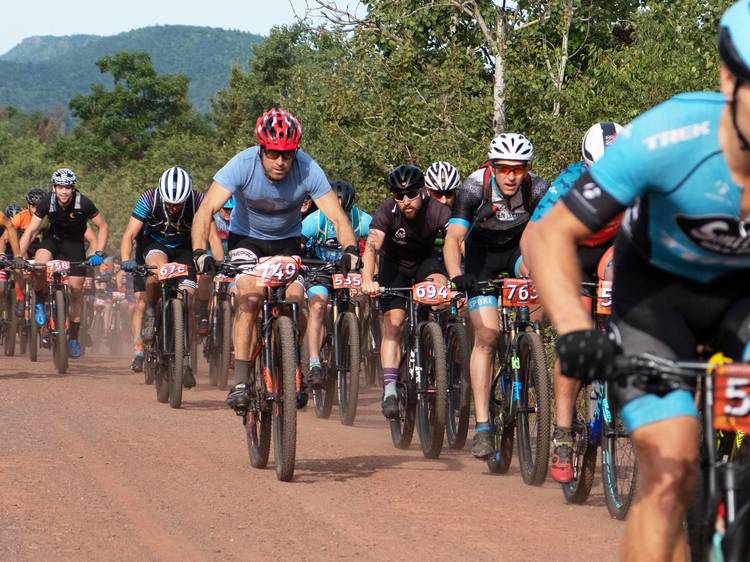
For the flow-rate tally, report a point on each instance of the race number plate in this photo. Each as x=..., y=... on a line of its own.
x=172, y=270
x=351, y=281
x=604, y=297
x=277, y=271
x=57, y=266
x=519, y=292
x=428, y=292
x=732, y=397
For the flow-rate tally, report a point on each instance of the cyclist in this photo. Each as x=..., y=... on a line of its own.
x=11, y=212
x=165, y=215
x=402, y=233
x=597, y=138
x=22, y=220
x=681, y=270
x=68, y=212
x=269, y=182
x=319, y=236
x=492, y=209
x=442, y=181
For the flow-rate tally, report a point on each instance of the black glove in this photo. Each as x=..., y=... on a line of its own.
x=4, y=260
x=204, y=263
x=465, y=282
x=586, y=355
x=19, y=263
x=350, y=261
x=129, y=266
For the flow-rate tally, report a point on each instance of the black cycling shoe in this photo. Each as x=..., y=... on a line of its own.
x=302, y=396
x=483, y=448
x=188, y=380
x=137, y=365
x=390, y=407
x=239, y=398
x=315, y=377
x=149, y=324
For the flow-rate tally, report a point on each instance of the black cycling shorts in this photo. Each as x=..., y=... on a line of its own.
x=589, y=258
x=181, y=254
x=657, y=312
x=392, y=275
x=488, y=264
x=68, y=250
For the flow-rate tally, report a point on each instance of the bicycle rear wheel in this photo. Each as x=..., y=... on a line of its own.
x=402, y=429
x=60, y=339
x=258, y=425
x=370, y=349
x=348, y=367
x=459, y=386
x=177, y=359
x=584, y=453
x=11, y=324
x=433, y=397
x=619, y=467
x=503, y=425
x=284, y=378
x=33, y=328
x=533, y=418
x=224, y=344
x=323, y=396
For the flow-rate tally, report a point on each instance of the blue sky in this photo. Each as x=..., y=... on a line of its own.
x=26, y=18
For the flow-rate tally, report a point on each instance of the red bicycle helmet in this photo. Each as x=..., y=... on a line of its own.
x=277, y=129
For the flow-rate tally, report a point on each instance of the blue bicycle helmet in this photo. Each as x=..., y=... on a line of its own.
x=734, y=51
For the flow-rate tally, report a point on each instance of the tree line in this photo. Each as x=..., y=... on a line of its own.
x=405, y=81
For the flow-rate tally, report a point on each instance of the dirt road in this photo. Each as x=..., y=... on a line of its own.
x=93, y=468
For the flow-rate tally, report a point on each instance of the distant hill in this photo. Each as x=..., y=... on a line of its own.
x=41, y=73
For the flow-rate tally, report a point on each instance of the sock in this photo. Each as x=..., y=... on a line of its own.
x=138, y=345
x=74, y=330
x=481, y=426
x=390, y=376
x=314, y=361
x=241, y=371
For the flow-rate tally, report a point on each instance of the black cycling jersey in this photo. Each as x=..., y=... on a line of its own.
x=505, y=225
x=408, y=242
x=69, y=222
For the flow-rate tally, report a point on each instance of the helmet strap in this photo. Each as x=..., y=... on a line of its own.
x=744, y=144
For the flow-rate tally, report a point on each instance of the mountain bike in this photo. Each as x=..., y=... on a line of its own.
x=278, y=376
x=27, y=328
x=370, y=329
x=422, y=386
x=9, y=318
x=597, y=422
x=520, y=396
x=167, y=354
x=718, y=519
x=217, y=346
x=340, y=349
x=118, y=324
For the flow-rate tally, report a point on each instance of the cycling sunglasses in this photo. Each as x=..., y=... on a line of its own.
x=286, y=155
x=406, y=195
x=506, y=169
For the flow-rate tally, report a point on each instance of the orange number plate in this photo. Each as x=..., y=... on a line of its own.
x=604, y=297
x=172, y=270
x=428, y=292
x=350, y=281
x=277, y=271
x=732, y=397
x=519, y=292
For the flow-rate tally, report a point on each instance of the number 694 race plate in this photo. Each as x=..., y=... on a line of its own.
x=429, y=292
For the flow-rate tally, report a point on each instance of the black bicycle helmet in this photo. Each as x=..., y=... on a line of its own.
x=345, y=192
x=34, y=195
x=406, y=177
x=12, y=210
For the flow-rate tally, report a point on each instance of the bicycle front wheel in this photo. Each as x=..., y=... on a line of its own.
x=533, y=416
x=284, y=376
x=348, y=367
x=619, y=468
x=433, y=396
x=584, y=453
x=60, y=341
x=177, y=357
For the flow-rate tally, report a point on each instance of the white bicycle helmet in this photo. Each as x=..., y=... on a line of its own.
x=63, y=176
x=442, y=177
x=597, y=139
x=175, y=185
x=511, y=146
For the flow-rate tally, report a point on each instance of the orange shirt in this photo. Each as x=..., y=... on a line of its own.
x=22, y=220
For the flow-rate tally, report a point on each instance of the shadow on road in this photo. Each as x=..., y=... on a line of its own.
x=204, y=405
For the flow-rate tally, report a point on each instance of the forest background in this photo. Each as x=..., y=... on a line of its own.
x=400, y=81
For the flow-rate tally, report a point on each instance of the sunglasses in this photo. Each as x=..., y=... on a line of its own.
x=285, y=155
x=506, y=169
x=406, y=196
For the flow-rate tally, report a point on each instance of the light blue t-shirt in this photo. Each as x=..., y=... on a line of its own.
x=321, y=234
x=270, y=210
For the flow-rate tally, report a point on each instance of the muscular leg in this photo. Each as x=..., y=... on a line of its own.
x=486, y=329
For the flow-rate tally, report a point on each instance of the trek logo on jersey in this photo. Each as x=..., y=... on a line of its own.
x=675, y=136
x=719, y=234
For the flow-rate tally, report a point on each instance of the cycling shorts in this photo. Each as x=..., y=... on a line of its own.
x=657, y=312
x=67, y=250
x=182, y=254
x=589, y=258
x=392, y=275
x=488, y=264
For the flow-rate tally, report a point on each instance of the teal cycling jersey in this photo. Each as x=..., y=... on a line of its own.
x=668, y=169
x=559, y=187
x=321, y=234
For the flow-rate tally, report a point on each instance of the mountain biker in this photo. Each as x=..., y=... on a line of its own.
x=164, y=216
x=506, y=193
x=597, y=138
x=68, y=212
x=269, y=182
x=681, y=270
x=319, y=236
x=442, y=181
x=402, y=234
